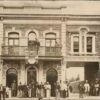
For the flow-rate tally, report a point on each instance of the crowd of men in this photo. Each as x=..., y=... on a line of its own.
x=36, y=90
x=43, y=90
x=89, y=89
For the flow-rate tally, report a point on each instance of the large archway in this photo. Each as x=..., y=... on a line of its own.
x=31, y=75
x=11, y=76
x=52, y=77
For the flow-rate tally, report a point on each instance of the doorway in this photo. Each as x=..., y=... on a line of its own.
x=52, y=77
x=91, y=70
x=11, y=76
x=31, y=75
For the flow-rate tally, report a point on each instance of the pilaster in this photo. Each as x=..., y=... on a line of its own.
x=22, y=74
x=64, y=50
x=40, y=79
x=63, y=37
x=63, y=71
x=1, y=72
x=1, y=36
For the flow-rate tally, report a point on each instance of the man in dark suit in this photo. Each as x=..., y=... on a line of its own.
x=14, y=88
x=2, y=92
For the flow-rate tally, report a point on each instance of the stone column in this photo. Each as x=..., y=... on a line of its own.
x=1, y=36
x=64, y=50
x=22, y=74
x=40, y=79
x=1, y=42
x=63, y=71
x=1, y=72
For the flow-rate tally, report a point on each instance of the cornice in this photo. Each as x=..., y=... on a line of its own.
x=33, y=17
x=50, y=17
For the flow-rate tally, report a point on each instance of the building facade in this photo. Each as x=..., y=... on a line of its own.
x=43, y=42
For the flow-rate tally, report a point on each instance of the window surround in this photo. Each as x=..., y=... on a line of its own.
x=13, y=38
x=32, y=30
x=51, y=31
x=6, y=36
x=93, y=44
x=72, y=40
x=85, y=43
x=50, y=39
x=12, y=30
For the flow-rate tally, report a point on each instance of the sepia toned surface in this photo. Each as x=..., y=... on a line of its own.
x=49, y=41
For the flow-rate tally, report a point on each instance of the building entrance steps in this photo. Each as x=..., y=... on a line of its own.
x=53, y=98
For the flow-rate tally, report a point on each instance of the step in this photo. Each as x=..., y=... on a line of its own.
x=70, y=98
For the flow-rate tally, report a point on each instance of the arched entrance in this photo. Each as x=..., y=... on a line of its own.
x=52, y=77
x=31, y=75
x=11, y=76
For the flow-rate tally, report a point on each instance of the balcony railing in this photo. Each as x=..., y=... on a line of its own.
x=26, y=51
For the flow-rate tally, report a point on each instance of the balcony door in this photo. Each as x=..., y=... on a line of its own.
x=13, y=43
x=50, y=43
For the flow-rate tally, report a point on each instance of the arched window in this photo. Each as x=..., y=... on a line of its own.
x=13, y=39
x=50, y=40
x=32, y=36
x=32, y=40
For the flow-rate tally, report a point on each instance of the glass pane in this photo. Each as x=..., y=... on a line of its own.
x=47, y=42
x=53, y=43
x=89, y=40
x=32, y=36
x=83, y=44
x=89, y=44
x=76, y=44
x=11, y=42
x=16, y=42
x=76, y=39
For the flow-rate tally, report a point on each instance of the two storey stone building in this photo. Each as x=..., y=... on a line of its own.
x=49, y=41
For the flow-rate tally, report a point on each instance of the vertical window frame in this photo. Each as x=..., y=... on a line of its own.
x=93, y=44
x=72, y=43
x=13, y=39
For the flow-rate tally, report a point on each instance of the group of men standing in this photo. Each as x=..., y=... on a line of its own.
x=39, y=90
x=42, y=90
x=89, y=89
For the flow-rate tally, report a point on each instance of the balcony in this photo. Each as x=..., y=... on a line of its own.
x=26, y=51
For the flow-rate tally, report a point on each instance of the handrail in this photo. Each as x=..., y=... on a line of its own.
x=25, y=51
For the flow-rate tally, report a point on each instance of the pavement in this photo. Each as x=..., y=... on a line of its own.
x=71, y=97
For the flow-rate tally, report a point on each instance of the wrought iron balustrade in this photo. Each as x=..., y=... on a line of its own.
x=26, y=51
x=14, y=50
